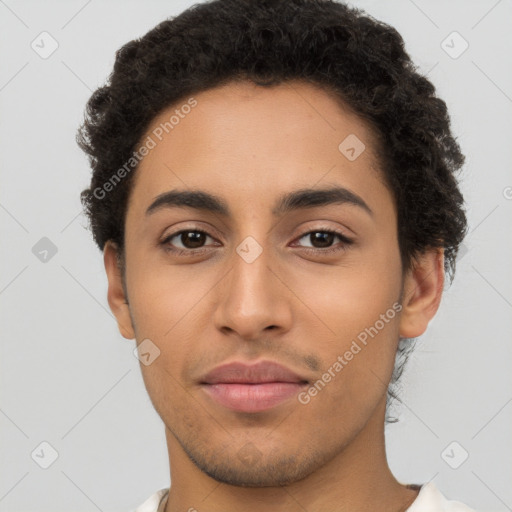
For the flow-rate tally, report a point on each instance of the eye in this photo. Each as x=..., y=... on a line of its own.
x=322, y=240
x=191, y=241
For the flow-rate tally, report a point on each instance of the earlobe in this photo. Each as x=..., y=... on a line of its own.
x=423, y=288
x=116, y=295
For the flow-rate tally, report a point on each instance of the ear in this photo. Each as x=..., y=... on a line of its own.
x=116, y=295
x=423, y=288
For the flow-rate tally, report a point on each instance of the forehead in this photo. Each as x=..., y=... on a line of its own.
x=250, y=144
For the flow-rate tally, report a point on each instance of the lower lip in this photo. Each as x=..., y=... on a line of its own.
x=252, y=397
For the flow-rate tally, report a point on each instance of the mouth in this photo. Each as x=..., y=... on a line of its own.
x=252, y=388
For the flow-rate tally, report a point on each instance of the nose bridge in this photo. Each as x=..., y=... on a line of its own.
x=251, y=283
x=252, y=298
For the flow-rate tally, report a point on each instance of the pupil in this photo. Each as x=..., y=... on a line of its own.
x=194, y=237
x=324, y=238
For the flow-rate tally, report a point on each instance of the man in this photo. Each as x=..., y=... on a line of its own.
x=274, y=193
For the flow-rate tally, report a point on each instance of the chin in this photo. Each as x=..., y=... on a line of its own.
x=249, y=468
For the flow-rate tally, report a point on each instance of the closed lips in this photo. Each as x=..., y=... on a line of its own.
x=252, y=388
x=242, y=373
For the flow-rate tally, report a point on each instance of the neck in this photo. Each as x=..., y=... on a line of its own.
x=356, y=479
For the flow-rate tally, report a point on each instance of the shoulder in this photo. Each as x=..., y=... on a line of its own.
x=430, y=499
x=154, y=502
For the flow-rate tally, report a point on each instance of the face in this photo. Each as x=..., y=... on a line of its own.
x=311, y=284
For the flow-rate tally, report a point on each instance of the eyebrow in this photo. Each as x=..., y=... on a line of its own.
x=292, y=201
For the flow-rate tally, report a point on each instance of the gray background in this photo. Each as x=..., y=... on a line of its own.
x=68, y=377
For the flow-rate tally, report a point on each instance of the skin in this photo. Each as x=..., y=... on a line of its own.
x=249, y=145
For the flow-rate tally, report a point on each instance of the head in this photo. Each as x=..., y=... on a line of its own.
x=269, y=187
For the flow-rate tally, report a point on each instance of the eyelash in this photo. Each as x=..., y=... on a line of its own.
x=194, y=252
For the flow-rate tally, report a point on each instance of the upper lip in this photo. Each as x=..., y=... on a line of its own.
x=243, y=373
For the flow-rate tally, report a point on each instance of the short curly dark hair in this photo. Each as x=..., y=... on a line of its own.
x=322, y=42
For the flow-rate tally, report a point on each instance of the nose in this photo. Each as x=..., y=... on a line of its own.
x=253, y=298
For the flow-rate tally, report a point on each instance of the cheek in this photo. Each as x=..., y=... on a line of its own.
x=359, y=306
x=162, y=297
x=352, y=296
x=160, y=304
